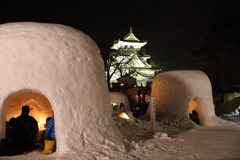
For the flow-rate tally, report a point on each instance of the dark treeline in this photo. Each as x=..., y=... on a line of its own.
x=219, y=58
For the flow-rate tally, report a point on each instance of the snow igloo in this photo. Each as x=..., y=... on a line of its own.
x=116, y=98
x=179, y=92
x=63, y=67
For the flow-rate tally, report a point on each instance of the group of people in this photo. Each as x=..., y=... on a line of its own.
x=21, y=135
x=140, y=107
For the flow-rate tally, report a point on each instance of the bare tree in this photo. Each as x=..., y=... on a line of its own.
x=116, y=64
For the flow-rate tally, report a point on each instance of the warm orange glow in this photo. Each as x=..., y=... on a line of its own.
x=40, y=107
x=41, y=123
x=193, y=106
x=124, y=116
x=41, y=126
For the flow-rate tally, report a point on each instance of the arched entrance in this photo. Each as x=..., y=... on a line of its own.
x=38, y=103
x=193, y=109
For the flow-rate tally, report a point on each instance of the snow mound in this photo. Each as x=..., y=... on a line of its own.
x=163, y=136
x=175, y=90
x=116, y=98
x=64, y=65
x=132, y=121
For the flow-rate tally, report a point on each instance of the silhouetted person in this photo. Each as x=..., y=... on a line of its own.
x=190, y=116
x=9, y=137
x=121, y=105
x=195, y=117
x=10, y=129
x=25, y=130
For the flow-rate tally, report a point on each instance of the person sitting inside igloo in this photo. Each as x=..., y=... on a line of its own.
x=49, y=136
x=25, y=130
x=42, y=139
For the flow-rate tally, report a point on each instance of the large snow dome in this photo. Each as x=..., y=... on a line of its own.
x=177, y=92
x=63, y=65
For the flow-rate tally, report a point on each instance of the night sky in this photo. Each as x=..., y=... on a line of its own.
x=172, y=27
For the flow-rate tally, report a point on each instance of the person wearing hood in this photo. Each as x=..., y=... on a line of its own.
x=49, y=137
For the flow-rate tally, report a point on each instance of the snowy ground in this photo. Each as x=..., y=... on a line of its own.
x=233, y=116
x=172, y=140
x=235, y=119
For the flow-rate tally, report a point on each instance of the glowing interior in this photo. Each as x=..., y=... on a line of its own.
x=39, y=105
x=193, y=106
x=124, y=115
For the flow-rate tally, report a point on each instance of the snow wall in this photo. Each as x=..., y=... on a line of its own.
x=174, y=92
x=64, y=65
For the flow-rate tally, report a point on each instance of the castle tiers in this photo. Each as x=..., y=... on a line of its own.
x=133, y=58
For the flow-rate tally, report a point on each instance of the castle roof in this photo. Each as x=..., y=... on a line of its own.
x=130, y=36
x=129, y=39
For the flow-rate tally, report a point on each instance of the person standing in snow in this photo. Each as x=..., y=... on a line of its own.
x=122, y=107
x=49, y=137
x=25, y=130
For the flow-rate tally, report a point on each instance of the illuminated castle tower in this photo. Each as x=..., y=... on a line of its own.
x=131, y=59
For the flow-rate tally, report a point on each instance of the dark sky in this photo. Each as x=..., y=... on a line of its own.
x=172, y=27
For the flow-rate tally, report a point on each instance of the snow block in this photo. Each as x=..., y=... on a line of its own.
x=174, y=90
x=65, y=66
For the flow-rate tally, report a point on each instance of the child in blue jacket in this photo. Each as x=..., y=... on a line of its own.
x=49, y=137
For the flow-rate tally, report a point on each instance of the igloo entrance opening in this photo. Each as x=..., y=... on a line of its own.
x=40, y=108
x=194, y=111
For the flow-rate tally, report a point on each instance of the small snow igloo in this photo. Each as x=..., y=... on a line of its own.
x=119, y=102
x=177, y=91
x=65, y=66
x=116, y=98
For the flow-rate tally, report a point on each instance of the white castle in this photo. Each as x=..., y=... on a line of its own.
x=133, y=59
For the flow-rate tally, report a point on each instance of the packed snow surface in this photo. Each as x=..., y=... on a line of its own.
x=172, y=140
